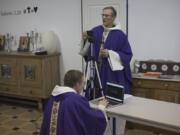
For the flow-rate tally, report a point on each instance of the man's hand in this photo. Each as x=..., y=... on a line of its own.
x=104, y=53
x=103, y=102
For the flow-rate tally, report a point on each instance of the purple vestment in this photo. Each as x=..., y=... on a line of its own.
x=74, y=116
x=118, y=42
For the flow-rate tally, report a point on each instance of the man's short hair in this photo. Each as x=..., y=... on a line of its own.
x=114, y=12
x=72, y=77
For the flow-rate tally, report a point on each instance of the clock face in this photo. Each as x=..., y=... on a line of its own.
x=175, y=68
x=144, y=66
x=164, y=67
x=153, y=67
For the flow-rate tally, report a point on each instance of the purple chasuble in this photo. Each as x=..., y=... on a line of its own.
x=118, y=42
x=70, y=114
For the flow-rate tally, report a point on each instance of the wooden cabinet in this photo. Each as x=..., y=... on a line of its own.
x=166, y=90
x=28, y=76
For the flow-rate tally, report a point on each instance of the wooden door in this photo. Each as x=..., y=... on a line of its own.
x=30, y=72
x=8, y=71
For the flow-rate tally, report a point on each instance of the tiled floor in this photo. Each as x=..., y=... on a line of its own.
x=18, y=119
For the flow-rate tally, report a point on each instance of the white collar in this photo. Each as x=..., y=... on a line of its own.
x=117, y=27
x=58, y=90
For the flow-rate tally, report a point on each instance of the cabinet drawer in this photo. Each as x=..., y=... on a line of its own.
x=165, y=95
x=31, y=92
x=174, y=86
x=150, y=84
x=8, y=89
x=140, y=92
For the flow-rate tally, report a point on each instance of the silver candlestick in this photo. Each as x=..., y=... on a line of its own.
x=32, y=40
x=9, y=39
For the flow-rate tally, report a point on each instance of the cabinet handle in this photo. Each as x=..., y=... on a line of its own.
x=30, y=92
x=139, y=82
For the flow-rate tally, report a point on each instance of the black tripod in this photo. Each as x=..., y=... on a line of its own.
x=92, y=76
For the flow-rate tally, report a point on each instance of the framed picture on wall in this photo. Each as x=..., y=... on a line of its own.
x=24, y=44
x=2, y=42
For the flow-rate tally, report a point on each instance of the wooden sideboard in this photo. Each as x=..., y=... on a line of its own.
x=160, y=89
x=28, y=76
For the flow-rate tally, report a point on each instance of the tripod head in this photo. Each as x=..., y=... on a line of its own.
x=90, y=36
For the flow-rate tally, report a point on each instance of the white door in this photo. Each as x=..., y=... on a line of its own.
x=92, y=10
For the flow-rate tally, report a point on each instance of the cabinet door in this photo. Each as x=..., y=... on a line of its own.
x=165, y=95
x=31, y=72
x=8, y=71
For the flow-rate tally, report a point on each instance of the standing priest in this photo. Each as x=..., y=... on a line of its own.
x=111, y=50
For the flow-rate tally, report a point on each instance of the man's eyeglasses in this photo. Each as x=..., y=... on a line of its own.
x=106, y=16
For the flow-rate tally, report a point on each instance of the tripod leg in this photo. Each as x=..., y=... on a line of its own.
x=86, y=77
x=99, y=80
x=92, y=77
x=92, y=88
x=89, y=82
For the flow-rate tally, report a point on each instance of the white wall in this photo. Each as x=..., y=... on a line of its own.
x=154, y=30
x=153, y=26
x=61, y=16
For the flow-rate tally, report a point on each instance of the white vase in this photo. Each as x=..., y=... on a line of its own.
x=50, y=42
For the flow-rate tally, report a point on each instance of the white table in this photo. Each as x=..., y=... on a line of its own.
x=149, y=112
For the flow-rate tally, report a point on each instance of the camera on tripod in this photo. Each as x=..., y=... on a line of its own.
x=91, y=72
x=90, y=36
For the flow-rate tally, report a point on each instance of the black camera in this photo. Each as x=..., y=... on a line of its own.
x=90, y=36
